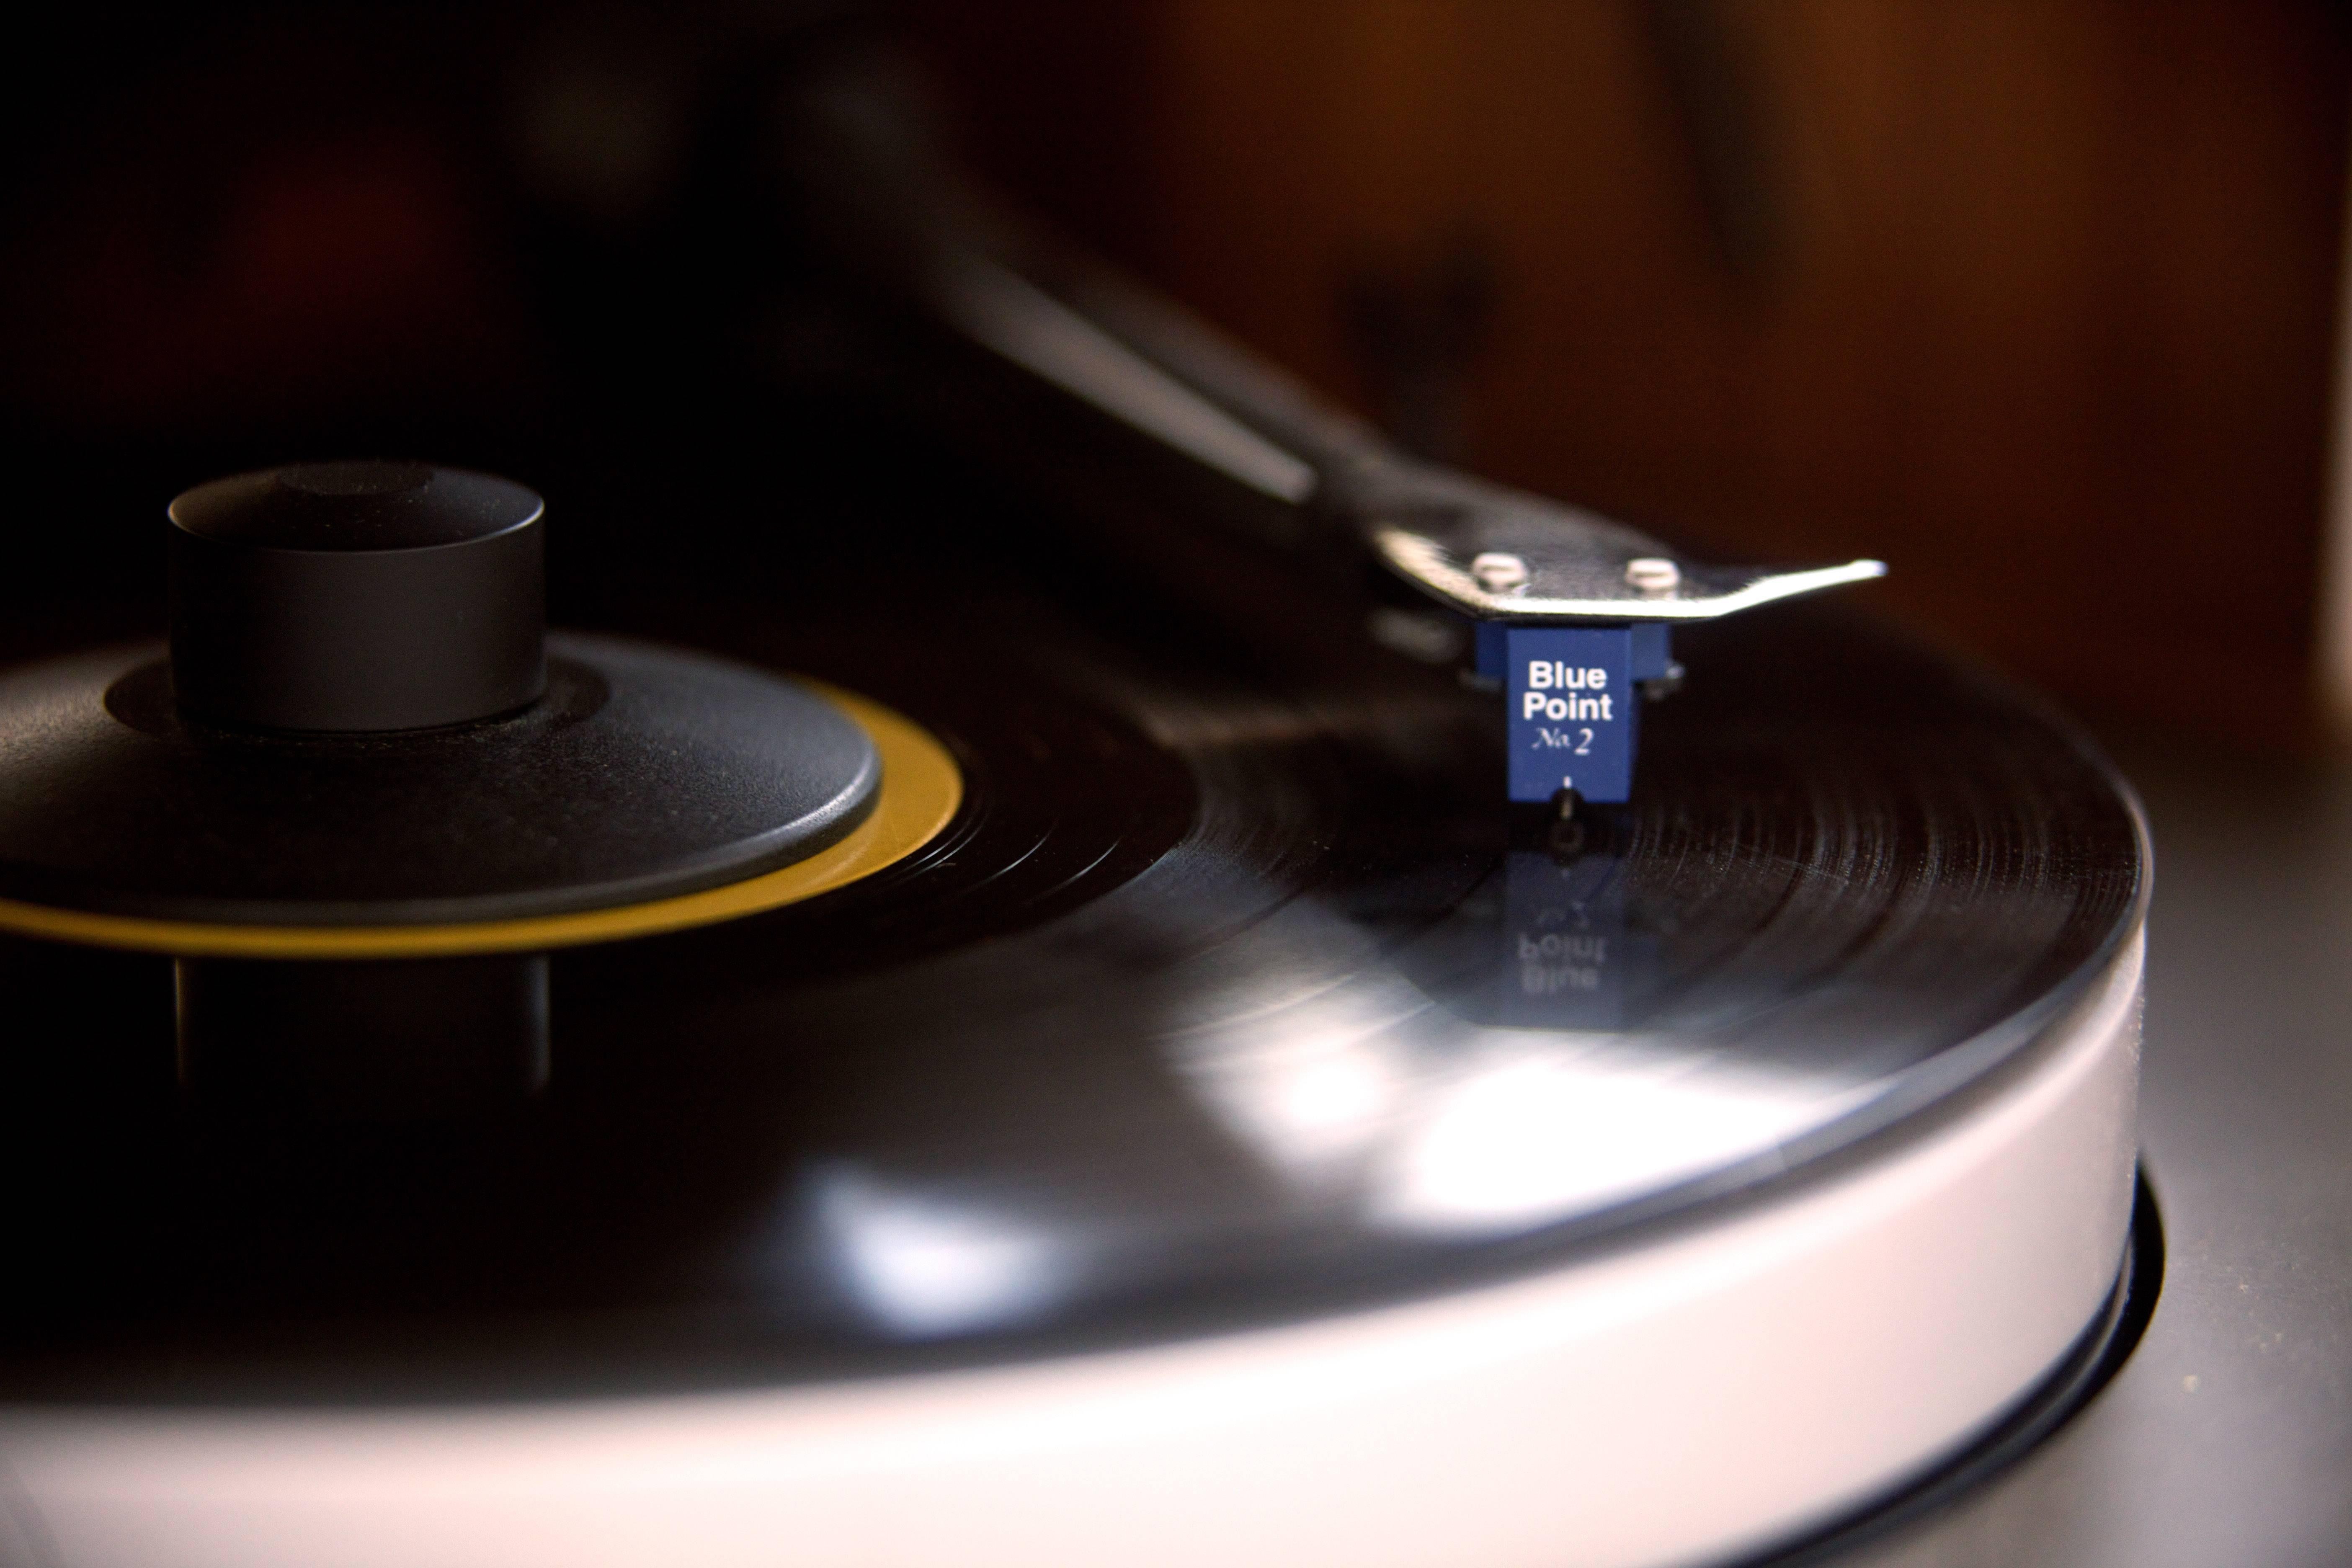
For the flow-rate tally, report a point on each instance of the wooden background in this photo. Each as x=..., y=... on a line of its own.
x=2035, y=299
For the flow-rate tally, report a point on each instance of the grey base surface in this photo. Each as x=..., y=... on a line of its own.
x=2227, y=1439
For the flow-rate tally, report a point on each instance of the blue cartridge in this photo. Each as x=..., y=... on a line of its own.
x=1572, y=707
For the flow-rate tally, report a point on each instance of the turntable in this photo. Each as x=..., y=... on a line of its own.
x=1114, y=986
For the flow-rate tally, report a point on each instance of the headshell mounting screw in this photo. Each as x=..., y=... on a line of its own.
x=1653, y=574
x=1499, y=572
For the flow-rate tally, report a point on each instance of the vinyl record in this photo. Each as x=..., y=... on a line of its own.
x=1217, y=1007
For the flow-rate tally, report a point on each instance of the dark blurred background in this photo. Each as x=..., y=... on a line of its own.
x=2034, y=300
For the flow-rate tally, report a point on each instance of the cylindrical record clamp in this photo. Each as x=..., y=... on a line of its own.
x=343, y=597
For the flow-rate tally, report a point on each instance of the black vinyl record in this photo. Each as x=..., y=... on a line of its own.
x=1223, y=1001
